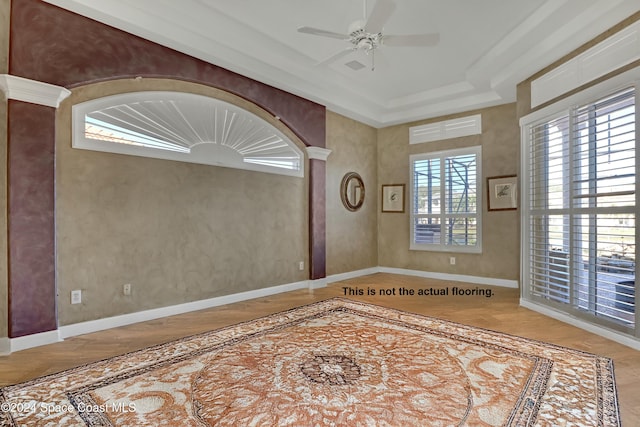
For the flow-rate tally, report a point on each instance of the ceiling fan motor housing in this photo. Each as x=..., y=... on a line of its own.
x=365, y=41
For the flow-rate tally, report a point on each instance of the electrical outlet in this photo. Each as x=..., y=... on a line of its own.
x=126, y=289
x=452, y=260
x=76, y=296
x=301, y=265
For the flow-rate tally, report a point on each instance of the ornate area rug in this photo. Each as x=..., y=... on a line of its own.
x=332, y=363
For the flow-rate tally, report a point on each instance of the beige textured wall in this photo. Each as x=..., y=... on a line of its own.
x=500, y=140
x=351, y=236
x=5, y=6
x=178, y=232
x=5, y=12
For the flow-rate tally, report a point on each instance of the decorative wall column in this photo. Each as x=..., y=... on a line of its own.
x=31, y=239
x=317, y=211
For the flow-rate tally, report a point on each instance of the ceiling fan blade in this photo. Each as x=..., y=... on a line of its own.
x=411, y=40
x=336, y=56
x=323, y=33
x=382, y=10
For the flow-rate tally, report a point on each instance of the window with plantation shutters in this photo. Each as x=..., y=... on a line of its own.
x=185, y=127
x=579, y=221
x=445, y=201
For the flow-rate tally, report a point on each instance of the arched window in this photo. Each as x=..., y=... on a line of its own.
x=184, y=127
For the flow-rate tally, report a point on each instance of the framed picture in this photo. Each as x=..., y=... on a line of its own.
x=502, y=193
x=393, y=198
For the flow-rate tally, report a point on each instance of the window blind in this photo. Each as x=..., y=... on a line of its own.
x=581, y=209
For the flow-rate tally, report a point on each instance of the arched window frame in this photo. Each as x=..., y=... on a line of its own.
x=186, y=127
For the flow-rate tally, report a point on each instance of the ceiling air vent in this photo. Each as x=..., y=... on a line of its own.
x=355, y=65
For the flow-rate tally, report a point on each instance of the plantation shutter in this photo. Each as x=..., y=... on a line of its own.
x=549, y=208
x=581, y=209
x=427, y=201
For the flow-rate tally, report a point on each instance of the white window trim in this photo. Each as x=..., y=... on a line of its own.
x=477, y=248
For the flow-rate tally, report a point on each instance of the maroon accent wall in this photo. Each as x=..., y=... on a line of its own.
x=32, y=292
x=56, y=46
x=52, y=45
x=317, y=219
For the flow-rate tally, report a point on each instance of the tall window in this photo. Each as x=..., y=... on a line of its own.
x=579, y=220
x=446, y=200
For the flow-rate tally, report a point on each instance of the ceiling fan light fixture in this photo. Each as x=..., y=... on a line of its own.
x=365, y=44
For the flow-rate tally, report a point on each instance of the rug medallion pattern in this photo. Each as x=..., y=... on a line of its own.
x=332, y=363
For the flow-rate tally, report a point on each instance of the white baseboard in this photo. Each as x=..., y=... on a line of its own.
x=34, y=340
x=579, y=323
x=318, y=283
x=22, y=343
x=8, y=345
x=156, y=313
x=352, y=274
x=489, y=281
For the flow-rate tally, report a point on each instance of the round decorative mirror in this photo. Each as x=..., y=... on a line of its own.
x=352, y=191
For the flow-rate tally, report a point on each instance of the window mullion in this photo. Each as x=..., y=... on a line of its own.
x=443, y=204
x=593, y=225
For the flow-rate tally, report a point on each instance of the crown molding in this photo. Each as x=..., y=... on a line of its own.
x=318, y=153
x=491, y=80
x=32, y=91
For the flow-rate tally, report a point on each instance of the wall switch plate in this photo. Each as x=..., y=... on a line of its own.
x=126, y=289
x=76, y=296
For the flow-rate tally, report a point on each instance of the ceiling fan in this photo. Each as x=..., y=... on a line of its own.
x=366, y=35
